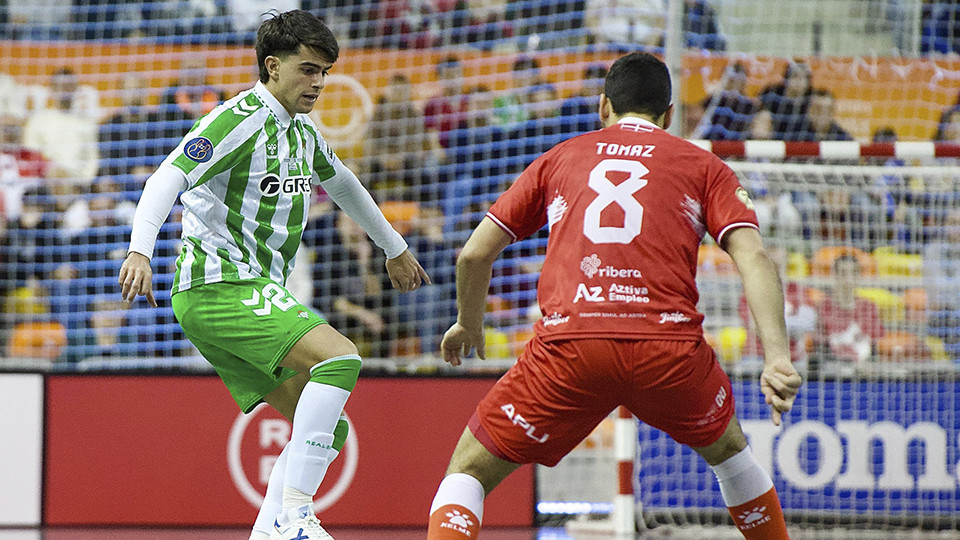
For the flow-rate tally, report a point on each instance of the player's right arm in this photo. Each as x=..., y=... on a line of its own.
x=764, y=292
x=474, y=268
x=156, y=201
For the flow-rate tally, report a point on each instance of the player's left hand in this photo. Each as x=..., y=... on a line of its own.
x=458, y=341
x=780, y=383
x=405, y=272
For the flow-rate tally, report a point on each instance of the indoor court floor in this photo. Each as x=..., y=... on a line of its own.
x=544, y=533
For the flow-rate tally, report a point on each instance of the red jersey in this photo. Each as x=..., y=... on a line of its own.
x=627, y=208
x=851, y=333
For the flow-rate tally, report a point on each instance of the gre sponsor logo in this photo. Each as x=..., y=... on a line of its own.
x=255, y=443
x=853, y=443
x=271, y=186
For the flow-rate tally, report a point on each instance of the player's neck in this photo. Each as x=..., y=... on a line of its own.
x=613, y=119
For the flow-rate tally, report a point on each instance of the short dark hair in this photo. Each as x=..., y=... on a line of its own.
x=284, y=33
x=638, y=83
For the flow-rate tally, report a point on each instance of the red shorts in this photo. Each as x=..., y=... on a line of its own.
x=558, y=391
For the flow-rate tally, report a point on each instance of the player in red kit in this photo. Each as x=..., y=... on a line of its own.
x=627, y=207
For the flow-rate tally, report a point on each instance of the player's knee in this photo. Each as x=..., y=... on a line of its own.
x=341, y=371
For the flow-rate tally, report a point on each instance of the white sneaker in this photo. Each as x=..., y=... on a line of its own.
x=299, y=524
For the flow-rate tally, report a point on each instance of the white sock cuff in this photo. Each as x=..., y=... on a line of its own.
x=741, y=478
x=735, y=465
x=462, y=489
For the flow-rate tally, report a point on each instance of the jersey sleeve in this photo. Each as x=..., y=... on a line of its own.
x=326, y=163
x=520, y=211
x=728, y=205
x=214, y=144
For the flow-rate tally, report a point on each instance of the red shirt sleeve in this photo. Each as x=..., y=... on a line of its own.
x=728, y=205
x=520, y=211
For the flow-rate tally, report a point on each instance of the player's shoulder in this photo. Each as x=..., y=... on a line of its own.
x=231, y=115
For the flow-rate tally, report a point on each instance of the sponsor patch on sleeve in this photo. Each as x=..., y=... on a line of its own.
x=199, y=149
x=744, y=198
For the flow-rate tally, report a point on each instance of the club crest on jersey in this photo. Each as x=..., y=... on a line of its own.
x=199, y=149
x=271, y=185
x=744, y=198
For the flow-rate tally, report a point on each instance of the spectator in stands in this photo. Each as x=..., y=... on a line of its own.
x=45, y=20
x=700, y=27
x=106, y=19
x=402, y=24
x=941, y=277
x=447, y=110
x=820, y=123
x=20, y=167
x=134, y=136
x=849, y=326
x=483, y=25
x=66, y=138
x=579, y=111
x=396, y=125
x=547, y=24
x=104, y=333
x=352, y=289
x=800, y=316
x=939, y=27
x=513, y=106
x=644, y=21
x=33, y=333
x=948, y=129
x=729, y=111
x=190, y=96
x=478, y=154
x=29, y=249
x=788, y=101
x=246, y=15
x=626, y=21
x=402, y=160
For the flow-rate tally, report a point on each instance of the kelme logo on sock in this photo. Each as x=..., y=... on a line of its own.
x=753, y=518
x=459, y=522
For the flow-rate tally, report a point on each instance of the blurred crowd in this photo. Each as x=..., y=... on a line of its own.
x=71, y=173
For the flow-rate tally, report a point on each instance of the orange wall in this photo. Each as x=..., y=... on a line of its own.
x=906, y=94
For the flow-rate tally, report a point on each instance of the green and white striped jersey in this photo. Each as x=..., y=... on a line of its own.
x=249, y=168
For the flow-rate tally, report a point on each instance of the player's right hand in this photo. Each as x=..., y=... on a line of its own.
x=780, y=383
x=136, y=278
x=458, y=341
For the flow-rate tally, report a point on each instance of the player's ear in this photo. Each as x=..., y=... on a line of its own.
x=604, y=109
x=272, y=63
x=668, y=117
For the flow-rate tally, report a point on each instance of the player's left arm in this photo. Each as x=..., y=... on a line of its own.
x=780, y=381
x=474, y=268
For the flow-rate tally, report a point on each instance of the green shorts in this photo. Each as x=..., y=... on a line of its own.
x=244, y=329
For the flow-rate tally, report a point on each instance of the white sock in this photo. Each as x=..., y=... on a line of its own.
x=462, y=489
x=314, y=421
x=742, y=478
x=272, y=501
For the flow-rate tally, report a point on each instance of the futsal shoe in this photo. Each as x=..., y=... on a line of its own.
x=299, y=524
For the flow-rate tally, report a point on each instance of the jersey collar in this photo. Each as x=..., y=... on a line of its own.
x=637, y=121
x=273, y=103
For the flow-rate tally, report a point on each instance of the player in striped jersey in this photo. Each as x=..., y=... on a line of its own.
x=246, y=171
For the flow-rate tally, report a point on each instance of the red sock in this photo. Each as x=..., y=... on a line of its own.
x=453, y=522
x=760, y=518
